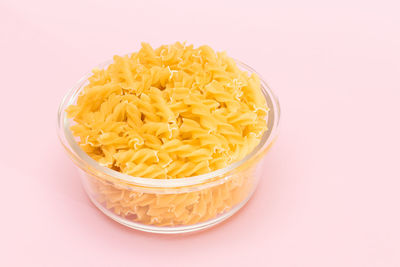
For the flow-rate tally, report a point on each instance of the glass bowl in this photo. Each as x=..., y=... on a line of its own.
x=169, y=205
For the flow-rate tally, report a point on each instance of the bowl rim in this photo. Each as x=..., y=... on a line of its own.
x=88, y=164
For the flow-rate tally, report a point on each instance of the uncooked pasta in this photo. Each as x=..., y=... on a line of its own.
x=169, y=113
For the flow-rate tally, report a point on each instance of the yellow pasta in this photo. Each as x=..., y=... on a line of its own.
x=169, y=113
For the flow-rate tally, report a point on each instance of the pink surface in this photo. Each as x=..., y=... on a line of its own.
x=330, y=195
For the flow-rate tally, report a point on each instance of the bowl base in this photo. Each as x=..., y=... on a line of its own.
x=169, y=229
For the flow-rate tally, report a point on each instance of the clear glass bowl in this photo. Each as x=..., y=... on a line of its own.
x=170, y=205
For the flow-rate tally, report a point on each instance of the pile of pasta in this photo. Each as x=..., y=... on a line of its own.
x=167, y=113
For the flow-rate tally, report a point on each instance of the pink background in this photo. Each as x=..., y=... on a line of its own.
x=330, y=195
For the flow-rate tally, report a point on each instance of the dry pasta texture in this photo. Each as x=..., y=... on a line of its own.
x=172, y=209
x=167, y=113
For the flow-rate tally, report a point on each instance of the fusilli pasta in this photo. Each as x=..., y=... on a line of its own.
x=168, y=113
